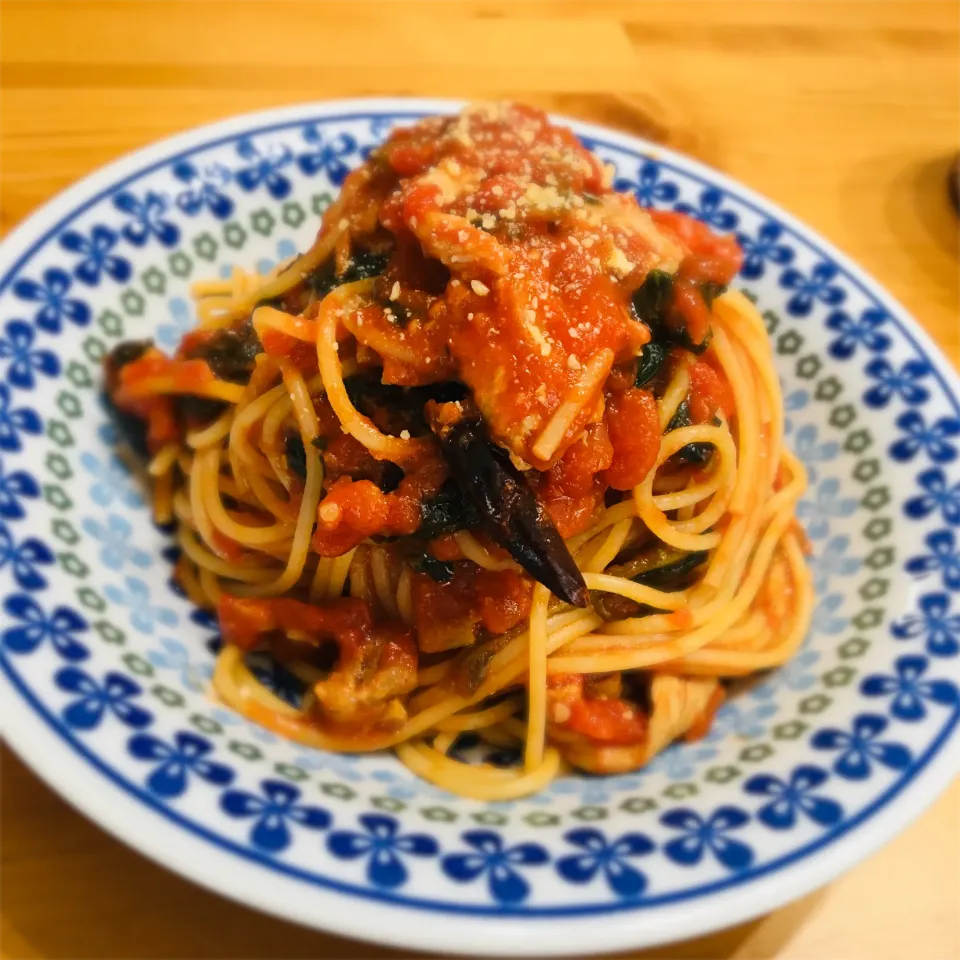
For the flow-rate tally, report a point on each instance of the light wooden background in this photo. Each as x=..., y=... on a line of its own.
x=846, y=114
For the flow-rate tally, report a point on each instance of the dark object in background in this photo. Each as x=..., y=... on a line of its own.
x=953, y=184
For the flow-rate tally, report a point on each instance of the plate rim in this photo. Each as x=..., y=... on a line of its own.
x=399, y=924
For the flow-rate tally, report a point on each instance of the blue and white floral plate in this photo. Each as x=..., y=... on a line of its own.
x=106, y=667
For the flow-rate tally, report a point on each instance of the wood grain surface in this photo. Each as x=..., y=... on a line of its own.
x=846, y=114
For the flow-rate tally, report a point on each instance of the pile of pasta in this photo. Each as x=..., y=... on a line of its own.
x=499, y=458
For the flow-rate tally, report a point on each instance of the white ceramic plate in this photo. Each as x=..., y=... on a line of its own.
x=105, y=665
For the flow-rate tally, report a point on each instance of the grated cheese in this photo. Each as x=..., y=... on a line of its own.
x=618, y=262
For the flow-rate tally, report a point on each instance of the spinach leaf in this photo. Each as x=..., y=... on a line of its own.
x=650, y=301
x=296, y=455
x=651, y=360
x=698, y=453
x=363, y=265
x=710, y=291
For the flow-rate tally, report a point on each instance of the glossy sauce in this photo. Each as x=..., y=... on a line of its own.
x=609, y=720
x=543, y=258
x=450, y=615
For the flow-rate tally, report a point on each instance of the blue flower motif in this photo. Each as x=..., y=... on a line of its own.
x=811, y=452
x=831, y=561
x=113, y=480
x=56, y=306
x=824, y=615
x=827, y=504
x=285, y=250
x=342, y=765
x=609, y=859
x=854, y=333
x=766, y=246
x=489, y=856
x=935, y=622
x=175, y=762
x=16, y=347
x=174, y=655
x=808, y=290
x=14, y=486
x=326, y=156
x=944, y=556
x=15, y=422
x=701, y=835
x=891, y=382
x=380, y=127
x=649, y=188
x=382, y=844
x=933, y=439
x=24, y=558
x=143, y=615
x=733, y=719
x=788, y=799
x=97, y=256
x=710, y=210
x=795, y=674
x=409, y=789
x=273, y=810
x=909, y=690
x=399, y=783
x=253, y=730
x=203, y=189
x=796, y=400
x=588, y=789
x=937, y=496
x=146, y=218
x=860, y=747
x=107, y=434
x=264, y=168
x=681, y=760
x=116, y=535
x=170, y=334
x=59, y=628
x=94, y=699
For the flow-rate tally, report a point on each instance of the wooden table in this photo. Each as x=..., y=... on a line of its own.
x=844, y=113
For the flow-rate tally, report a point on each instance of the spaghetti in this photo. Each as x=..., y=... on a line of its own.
x=499, y=456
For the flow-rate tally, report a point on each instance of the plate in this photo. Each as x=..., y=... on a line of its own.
x=106, y=667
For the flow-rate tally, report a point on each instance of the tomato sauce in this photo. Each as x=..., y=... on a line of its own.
x=544, y=258
x=634, y=427
x=451, y=614
x=513, y=268
x=712, y=260
x=244, y=620
x=283, y=346
x=709, y=393
x=572, y=490
x=131, y=393
x=606, y=720
x=375, y=662
x=354, y=509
